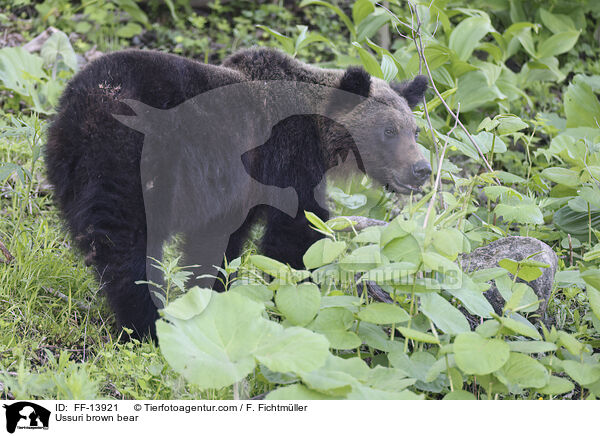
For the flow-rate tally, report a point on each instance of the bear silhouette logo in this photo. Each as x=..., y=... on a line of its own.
x=24, y=414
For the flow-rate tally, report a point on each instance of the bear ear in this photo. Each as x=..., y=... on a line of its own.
x=357, y=81
x=412, y=91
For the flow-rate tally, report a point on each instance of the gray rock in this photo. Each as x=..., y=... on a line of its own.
x=516, y=248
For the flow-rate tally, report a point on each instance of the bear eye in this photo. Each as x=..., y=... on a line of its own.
x=390, y=131
x=417, y=133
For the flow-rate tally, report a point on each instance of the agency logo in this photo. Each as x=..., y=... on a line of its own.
x=26, y=415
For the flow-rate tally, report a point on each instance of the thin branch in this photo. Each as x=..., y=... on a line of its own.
x=357, y=223
x=422, y=58
x=439, y=175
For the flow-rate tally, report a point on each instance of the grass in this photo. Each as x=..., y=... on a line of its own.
x=57, y=336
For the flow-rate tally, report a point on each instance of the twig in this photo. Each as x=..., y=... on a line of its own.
x=422, y=59
x=66, y=298
x=8, y=257
x=439, y=174
x=358, y=223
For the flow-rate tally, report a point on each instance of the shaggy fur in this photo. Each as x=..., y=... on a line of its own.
x=93, y=160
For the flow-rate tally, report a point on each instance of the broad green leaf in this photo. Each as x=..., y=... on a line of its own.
x=323, y=252
x=368, y=61
x=190, y=304
x=531, y=347
x=417, y=335
x=362, y=259
x=258, y=293
x=371, y=24
x=525, y=271
x=520, y=328
x=556, y=386
x=466, y=36
x=388, y=68
x=582, y=107
x=557, y=23
x=563, y=176
x=286, y=42
x=472, y=298
x=58, y=47
x=524, y=371
x=383, y=313
x=360, y=392
x=524, y=211
x=298, y=304
x=297, y=392
x=594, y=299
x=445, y=316
x=405, y=248
x=449, y=242
x=221, y=344
x=292, y=350
x=390, y=274
x=361, y=9
x=476, y=355
x=459, y=395
x=509, y=124
x=582, y=373
x=558, y=44
x=570, y=343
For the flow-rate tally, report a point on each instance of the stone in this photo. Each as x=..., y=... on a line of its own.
x=516, y=248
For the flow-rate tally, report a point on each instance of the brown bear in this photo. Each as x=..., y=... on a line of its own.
x=93, y=161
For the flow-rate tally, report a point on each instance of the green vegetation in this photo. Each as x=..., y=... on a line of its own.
x=523, y=78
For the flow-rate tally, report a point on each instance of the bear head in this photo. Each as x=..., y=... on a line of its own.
x=384, y=124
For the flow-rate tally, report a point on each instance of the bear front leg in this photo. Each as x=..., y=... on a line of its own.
x=286, y=239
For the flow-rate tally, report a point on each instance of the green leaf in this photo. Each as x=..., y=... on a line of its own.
x=531, y=347
x=192, y=303
x=524, y=371
x=287, y=43
x=299, y=304
x=582, y=107
x=383, y=313
x=361, y=9
x=323, y=252
x=524, y=211
x=466, y=36
x=445, y=316
x=368, y=61
x=58, y=47
x=417, y=335
x=563, y=176
x=258, y=293
x=557, y=23
x=558, y=44
x=371, y=24
x=520, y=328
x=129, y=30
x=473, y=299
x=220, y=345
x=582, y=373
x=525, y=272
x=570, y=343
x=556, y=386
x=594, y=299
x=297, y=392
x=292, y=350
x=459, y=395
x=477, y=355
x=388, y=68
x=508, y=124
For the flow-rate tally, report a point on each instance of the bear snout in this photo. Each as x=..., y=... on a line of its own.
x=421, y=171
